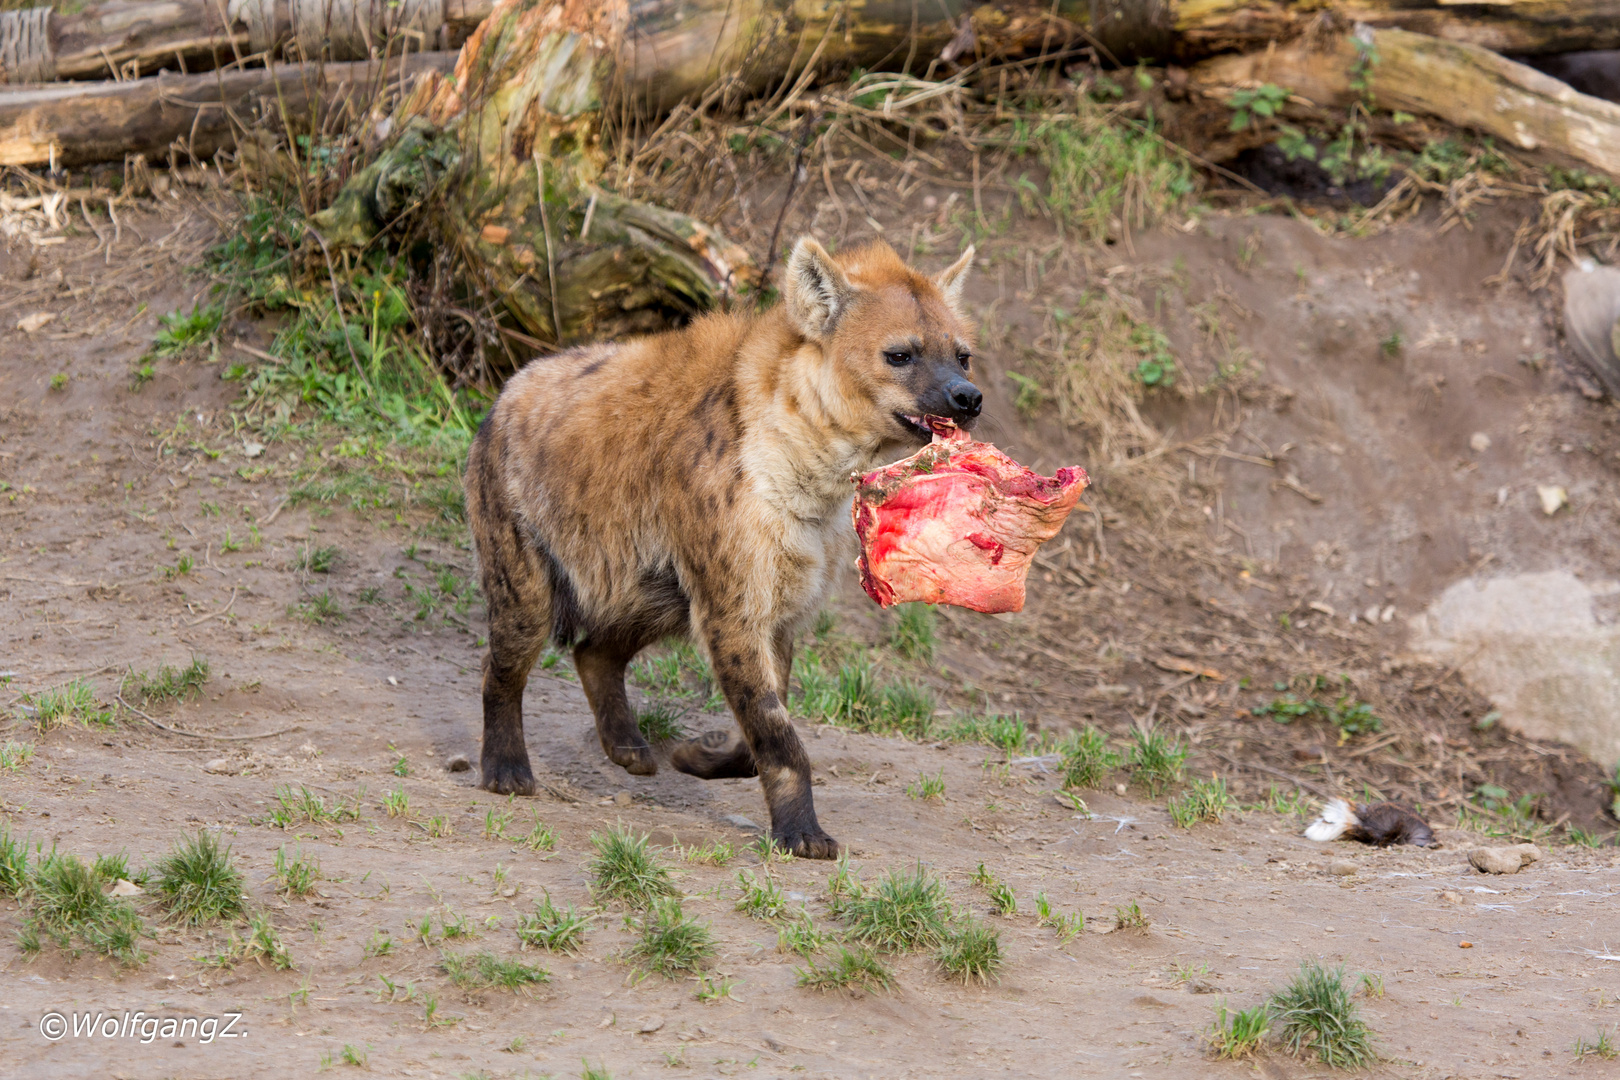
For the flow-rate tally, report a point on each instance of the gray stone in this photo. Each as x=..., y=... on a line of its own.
x=1342, y=868
x=1504, y=860
x=741, y=822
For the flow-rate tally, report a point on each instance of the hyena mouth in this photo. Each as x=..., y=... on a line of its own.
x=927, y=426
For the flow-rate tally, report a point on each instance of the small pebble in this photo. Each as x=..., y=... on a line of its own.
x=1120, y=789
x=650, y=1025
x=1450, y=897
x=218, y=765
x=125, y=888
x=1342, y=868
x=1480, y=442
x=741, y=822
x=1327, y=929
x=1465, y=944
x=622, y=798
x=457, y=763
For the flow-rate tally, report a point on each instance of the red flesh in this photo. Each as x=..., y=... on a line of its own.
x=957, y=523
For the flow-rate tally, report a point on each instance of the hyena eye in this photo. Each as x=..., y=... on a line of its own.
x=964, y=358
x=898, y=359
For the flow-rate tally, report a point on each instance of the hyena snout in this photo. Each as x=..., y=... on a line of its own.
x=964, y=398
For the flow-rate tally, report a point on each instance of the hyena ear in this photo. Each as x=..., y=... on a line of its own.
x=817, y=291
x=953, y=277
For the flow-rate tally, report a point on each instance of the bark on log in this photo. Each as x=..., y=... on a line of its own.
x=1195, y=29
x=88, y=123
x=132, y=38
x=1464, y=85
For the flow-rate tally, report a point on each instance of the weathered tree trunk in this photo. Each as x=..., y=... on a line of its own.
x=131, y=38
x=1190, y=30
x=81, y=124
x=1464, y=85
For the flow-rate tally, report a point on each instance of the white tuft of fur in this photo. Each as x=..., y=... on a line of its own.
x=1335, y=819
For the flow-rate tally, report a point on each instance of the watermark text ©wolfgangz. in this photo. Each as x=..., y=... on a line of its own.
x=140, y=1026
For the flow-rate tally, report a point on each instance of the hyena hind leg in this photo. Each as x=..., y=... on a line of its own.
x=715, y=755
x=601, y=676
x=514, y=645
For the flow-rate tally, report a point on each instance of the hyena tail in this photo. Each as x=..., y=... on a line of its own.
x=1337, y=818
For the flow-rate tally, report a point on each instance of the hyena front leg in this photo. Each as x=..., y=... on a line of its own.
x=601, y=675
x=747, y=670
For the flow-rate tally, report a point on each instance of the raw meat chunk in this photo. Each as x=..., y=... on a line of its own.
x=957, y=523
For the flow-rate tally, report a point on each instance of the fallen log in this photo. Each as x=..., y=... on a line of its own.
x=1190, y=30
x=124, y=39
x=1464, y=85
x=74, y=124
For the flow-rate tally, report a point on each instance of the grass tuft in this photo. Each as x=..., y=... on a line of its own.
x=67, y=900
x=626, y=872
x=15, y=755
x=197, y=882
x=171, y=683
x=1235, y=1035
x=1315, y=1012
x=553, y=928
x=1156, y=760
x=660, y=724
x=1600, y=1047
x=857, y=968
x=1205, y=800
x=485, y=970
x=1087, y=761
x=760, y=899
x=802, y=936
x=971, y=952
x=296, y=876
x=1130, y=917
x=670, y=943
x=1068, y=927
x=899, y=913
x=72, y=701
x=928, y=787
x=913, y=634
x=714, y=853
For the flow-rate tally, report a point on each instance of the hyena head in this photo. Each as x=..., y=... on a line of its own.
x=895, y=348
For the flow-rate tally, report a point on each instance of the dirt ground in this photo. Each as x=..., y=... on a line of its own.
x=1343, y=477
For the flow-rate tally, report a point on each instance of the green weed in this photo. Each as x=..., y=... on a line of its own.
x=1087, y=761
x=1205, y=800
x=857, y=968
x=381, y=944
x=294, y=807
x=66, y=901
x=396, y=803
x=171, y=683
x=15, y=755
x=1003, y=899
x=801, y=936
x=626, y=872
x=197, y=882
x=928, y=787
x=553, y=928
x=1155, y=760
x=660, y=724
x=72, y=701
x=296, y=876
x=760, y=899
x=852, y=697
x=670, y=944
x=318, y=610
x=485, y=970
x=899, y=913
x=971, y=951
x=1068, y=927
x=713, y=988
x=1235, y=1035
x=714, y=853
x=180, y=333
x=913, y=633
x=540, y=837
x=1600, y=1047
x=13, y=862
x=1130, y=917
x=1108, y=172
x=1315, y=1012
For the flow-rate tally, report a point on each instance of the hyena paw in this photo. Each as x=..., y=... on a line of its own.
x=807, y=845
x=637, y=760
x=507, y=777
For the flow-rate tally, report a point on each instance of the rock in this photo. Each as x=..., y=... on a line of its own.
x=1553, y=498
x=1203, y=986
x=1342, y=868
x=252, y=449
x=622, y=798
x=650, y=1024
x=1479, y=442
x=507, y=889
x=219, y=765
x=457, y=763
x=126, y=888
x=1120, y=789
x=1451, y=897
x=1465, y=944
x=1504, y=860
x=741, y=822
x=32, y=324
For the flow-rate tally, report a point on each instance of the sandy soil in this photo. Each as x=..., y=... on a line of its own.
x=97, y=505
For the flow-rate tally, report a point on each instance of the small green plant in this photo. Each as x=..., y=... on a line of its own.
x=1235, y=1035
x=1292, y=803
x=437, y=826
x=1028, y=395
x=1315, y=1012
x=318, y=610
x=801, y=936
x=396, y=803
x=713, y=988
x=1372, y=986
x=1574, y=834
x=670, y=944
x=928, y=787
x=180, y=332
x=1262, y=101
x=197, y=882
x=1155, y=759
x=319, y=560
x=296, y=876
x=183, y=566
x=540, y=837
x=1068, y=927
x=971, y=951
x=15, y=755
x=59, y=381
x=594, y=1072
x=913, y=634
x=553, y=928
x=1350, y=716
x=72, y=701
x=899, y=913
x=1391, y=345
x=760, y=899
x=453, y=925
x=660, y=723
x=354, y=1055
x=13, y=862
x=67, y=902
x=171, y=683
x=714, y=853
x=294, y=807
x=1087, y=761
x=769, y=851
x=485, y=970
x=1601, y=1047
x=495, y=823
x=1003, y=899
x=381, y=944
x=857, y=968
x=402, y=766
x=626, y=872
x=1130, y=917
x=1205, y=800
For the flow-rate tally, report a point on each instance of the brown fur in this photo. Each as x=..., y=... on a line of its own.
x=696, y=483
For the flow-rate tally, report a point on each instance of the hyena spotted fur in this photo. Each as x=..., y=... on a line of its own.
x=696, y=483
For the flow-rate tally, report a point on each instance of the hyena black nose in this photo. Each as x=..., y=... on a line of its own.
x=964, y=397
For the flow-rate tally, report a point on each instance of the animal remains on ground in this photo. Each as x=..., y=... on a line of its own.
x=1380, y=824
x=696, y=482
